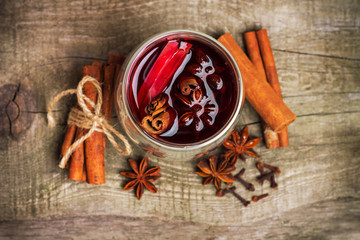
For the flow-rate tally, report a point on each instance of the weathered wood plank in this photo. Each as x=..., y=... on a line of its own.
x=316, y=221
x=327, y=159
x=44, y=45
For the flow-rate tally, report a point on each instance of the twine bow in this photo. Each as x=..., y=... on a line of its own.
x=85, y=118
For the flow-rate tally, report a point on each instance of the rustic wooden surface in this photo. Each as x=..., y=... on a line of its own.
x=44, y=44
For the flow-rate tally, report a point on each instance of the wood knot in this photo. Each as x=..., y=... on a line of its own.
x=17, y=105
x=12, y=111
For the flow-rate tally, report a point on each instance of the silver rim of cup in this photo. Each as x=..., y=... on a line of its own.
x=131, y=60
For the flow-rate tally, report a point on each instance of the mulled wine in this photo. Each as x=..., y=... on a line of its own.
x=182, y=91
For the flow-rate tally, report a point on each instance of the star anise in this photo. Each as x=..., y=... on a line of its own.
x=216, y=171
x=208, y=70
x=201, y=110
x=238, y=144
x=142, y=176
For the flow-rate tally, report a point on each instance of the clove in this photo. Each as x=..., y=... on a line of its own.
x=273, y=184
x=242, y=200
x=231, y=190
x=222, y=192
x=259, y=197
x=260, y=167
x=247, y=185
x=276, y=170
x=267, y=176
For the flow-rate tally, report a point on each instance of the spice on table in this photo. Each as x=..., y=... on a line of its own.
x=76, y=164
x=83, y=150
x=276, y=170
x=142, y=177
x=217, y=171
x=110, y=75
x=273, y=184
x=94, y=145
x=247, y=185
x=223, y=192
x=271, y=74
x=241, y=199
x=68, y=140
x=109, y=83
x=238, y=144
x=261, y=96
x=87, y=162
x=259, y=197
x=267, y=176
x=260, y=167
x=271, y=138
x=77, y=168
x=118, y=61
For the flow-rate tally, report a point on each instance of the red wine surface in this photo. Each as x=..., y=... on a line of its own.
x=203, y=112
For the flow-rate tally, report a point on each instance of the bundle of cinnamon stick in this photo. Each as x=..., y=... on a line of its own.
x=261, y=84
x=87, y=161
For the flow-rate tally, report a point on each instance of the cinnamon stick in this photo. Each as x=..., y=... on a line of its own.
x=68, y=139
x=116, y=59
x=84, y=173
x=108, y=96
x=270, y=137
x=99, y=64
x=94, y=145
x=111, y=72
x=76, y=170
x=260, y=94
x=119, y=61
x=272, y=76
x=76, y=161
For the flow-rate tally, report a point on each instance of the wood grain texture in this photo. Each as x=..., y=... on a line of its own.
x=309, y=222
x=316, y=46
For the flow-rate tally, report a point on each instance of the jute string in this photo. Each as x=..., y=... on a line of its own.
x=85, y=118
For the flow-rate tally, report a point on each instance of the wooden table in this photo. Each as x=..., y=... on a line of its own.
x=43, y=46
